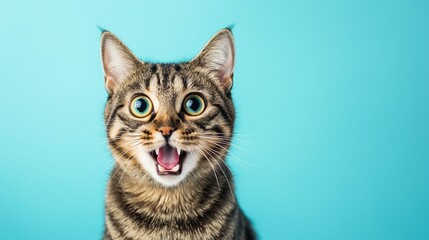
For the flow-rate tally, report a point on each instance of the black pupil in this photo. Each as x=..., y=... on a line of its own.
x=193, y=104
x=141, y=105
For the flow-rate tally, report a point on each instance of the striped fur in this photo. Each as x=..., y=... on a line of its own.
x=200, y=203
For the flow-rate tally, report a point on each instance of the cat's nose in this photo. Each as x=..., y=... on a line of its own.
x=166, y=131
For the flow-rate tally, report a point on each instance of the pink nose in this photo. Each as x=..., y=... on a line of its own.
x=166, y=131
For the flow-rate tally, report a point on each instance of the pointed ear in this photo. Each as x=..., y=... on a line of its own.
x=218, y=57
x=118, y=61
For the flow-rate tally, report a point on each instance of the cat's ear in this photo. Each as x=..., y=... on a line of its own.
x=118, y=61
x=218, y=57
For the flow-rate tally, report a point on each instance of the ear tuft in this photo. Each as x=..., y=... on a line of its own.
x=118, y=61
x=218, y=56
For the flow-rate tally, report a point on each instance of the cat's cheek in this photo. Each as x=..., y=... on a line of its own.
x=148, y=164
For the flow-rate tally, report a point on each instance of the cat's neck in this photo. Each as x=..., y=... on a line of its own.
x=189, y=196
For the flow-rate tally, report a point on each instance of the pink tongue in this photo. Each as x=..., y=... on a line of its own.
x=168, y=157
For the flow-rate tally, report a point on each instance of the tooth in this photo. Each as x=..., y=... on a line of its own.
x=161, y=168
x=176, y=168
x=178, y=151
x=157, y=151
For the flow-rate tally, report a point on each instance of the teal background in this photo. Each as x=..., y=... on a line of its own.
x=332, y=100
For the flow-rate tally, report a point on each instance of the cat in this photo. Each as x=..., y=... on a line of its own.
x=169, y=128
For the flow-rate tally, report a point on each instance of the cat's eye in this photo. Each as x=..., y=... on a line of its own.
x=141, y=106
x=193, y=105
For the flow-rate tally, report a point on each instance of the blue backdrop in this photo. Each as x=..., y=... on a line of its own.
x=332, y=99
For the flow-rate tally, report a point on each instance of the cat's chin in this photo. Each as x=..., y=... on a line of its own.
x=167, y=176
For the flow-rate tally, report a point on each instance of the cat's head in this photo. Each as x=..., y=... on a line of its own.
x=167, y=123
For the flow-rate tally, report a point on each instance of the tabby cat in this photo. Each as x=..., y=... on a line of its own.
x=169, y=128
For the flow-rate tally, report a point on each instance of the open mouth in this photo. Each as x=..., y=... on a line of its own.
x=168, y=160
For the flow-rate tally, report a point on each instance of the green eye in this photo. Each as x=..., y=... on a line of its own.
x=193, y=105
x=141, y=106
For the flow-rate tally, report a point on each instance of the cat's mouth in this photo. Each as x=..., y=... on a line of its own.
x=168, y=160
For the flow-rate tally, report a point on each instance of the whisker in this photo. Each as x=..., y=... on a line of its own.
x=122, y=154
x=127, y=165
x=232, y=155
x=214, y=170
x=225, y=141
x=227, y=180
x=216, y=155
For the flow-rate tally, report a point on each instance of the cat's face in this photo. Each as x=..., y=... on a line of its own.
x=169, y=122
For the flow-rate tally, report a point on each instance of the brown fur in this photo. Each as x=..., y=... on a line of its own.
x=202, y=205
